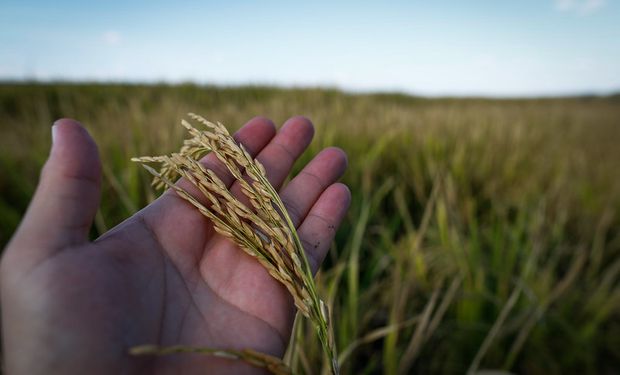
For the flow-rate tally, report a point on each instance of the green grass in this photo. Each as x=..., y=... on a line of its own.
x=483, y=234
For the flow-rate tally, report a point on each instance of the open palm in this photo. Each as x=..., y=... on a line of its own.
x=161, y=277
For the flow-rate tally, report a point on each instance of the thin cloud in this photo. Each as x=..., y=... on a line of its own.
x=579, y=6
x=111, y=38
x=593, y=5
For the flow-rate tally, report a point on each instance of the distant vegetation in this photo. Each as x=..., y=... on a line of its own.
x=483, y=234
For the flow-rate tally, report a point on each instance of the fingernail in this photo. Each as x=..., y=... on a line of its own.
x=54, y=129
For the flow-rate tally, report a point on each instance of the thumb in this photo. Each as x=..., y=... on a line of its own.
x=67, y=197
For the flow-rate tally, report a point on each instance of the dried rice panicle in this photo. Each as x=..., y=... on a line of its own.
x=263, y=229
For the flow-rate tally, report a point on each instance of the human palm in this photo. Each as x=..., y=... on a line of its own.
x=161, y=277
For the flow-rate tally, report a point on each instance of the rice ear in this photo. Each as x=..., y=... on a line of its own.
x=264, y=230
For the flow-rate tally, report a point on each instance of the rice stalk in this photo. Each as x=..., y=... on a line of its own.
x=263, y=229
x=254, y=358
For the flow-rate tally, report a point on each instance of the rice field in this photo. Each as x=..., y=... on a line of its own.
x=483, y=234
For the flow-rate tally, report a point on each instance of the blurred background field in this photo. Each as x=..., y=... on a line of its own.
x=483, y=233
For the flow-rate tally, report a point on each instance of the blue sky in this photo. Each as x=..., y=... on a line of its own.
x=503, y=48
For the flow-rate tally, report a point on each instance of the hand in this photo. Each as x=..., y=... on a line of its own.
x=162, y=276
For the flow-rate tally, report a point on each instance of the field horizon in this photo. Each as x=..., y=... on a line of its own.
x=586, y=94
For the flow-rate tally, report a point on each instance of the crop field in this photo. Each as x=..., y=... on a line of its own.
x=483, y=234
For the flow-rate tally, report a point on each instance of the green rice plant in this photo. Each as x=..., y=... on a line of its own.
x=468, y=199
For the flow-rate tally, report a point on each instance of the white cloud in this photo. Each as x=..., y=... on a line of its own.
x=111, y=38
x=593, y=5
x=579, y=6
